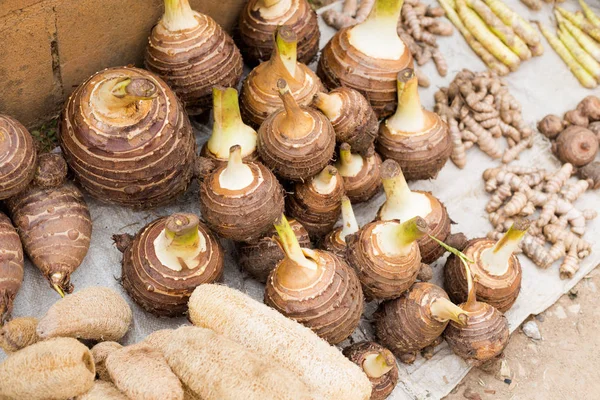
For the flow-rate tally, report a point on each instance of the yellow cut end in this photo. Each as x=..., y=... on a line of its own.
x=376, y=365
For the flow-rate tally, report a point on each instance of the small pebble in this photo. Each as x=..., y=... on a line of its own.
x=560, y=313
x=540, y=317
x=508, y=381
x=574, y=309
x=531, y=330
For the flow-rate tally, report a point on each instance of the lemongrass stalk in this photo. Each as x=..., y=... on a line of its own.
x=582, y=23
x=586, y=60
x=589, y=44
x=443, y=310
x=375, y=365
x=236, y=175
x=290, y=245
x=118, y=97
x=495, y=259
x=296, y=124
x=510, y=18
x=329, y=104
x=409, y=116
x=589, y=14
x=349, y=164
x=350, y=226
x=179, y=15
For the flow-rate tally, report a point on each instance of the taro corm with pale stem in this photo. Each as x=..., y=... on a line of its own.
x=127, y=138
x=309, y=280
x=402, y=203
x=378, y=363
x=295, y=142
x=417, y=139
x=351, y=115
x=11, y=267
x=386, y=256
x=335, y=241
x=17, y=157
x=361, y=174
x=316, y=203
x=228, y=128
x=166, y=260
x=192, y=53
x=259, y=20
x=367, y=57
x=496, y=269
x=259, y=92
x=241, y=200
x=415, y=320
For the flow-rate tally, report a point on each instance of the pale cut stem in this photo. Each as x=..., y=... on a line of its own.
x=119, y=96
x=385, y=12
x=268, y=3
x=495, y=260
x=290, y=244
x=375, y=365
x=396, y=188
x=350, y=226
x=443, y=310
x=295, y=124
x=179, y=15
x=236, y=175
x=329, y=104
x=181, y=230
x=324, y=182
x=471, y=293
x=346, y=154
x=409, y=116
x=410, y=231
x=286, y=44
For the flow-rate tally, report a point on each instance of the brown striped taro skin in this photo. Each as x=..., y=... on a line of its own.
x=17, y=157
x=259, y=20
x=161, y=284
x=127, y=139
x=11, y=266
x=192, y=53
x=361, y=174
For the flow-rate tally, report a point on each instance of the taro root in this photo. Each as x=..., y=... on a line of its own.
x=295, y=142
x=386, y=256
x=192, y=53
x=576, y=145
x=496, y=270
x=402, y=203
x=351, y=116
x=417, y=139
x=259, y=257
x=259, y=92
x=53, y=221
x=228, y=128
x=335, y=241
x=415, y=320
x=368, y=56
x=316, y=203
x=11, y=266
x=127, y=139
x=259, y=21
x=315, y=288
x=241, y=200
x=361, y=174
x=17, y=157
x=378, y=363
x=166, y=260
x=591, y=173
x=551, y=126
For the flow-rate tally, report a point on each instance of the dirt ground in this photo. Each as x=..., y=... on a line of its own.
x=564, y=364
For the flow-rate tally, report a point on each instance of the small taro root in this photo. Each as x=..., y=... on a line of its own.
x=59, y=368
x=259, y=20
x=260, y=257
x=259, y=97
x=18, y=333
x=576, y=145
x=295, y=142
x=167, y=259
x=241, y=200
x=590, y=107
x=192, y=53
x=551, y=126
x=367, y=57
x=417, y=139
x=379, y=365
x=496, y=270
x=54, y=222
x=93, y=313
x=308, y=280
x=127, y=138
x=351, y=116
x=595, y=128
x=402, y=203
x=361, y=174
x=316, y=203
x=415, y=320
x=335, y=241
x=11, y=266
x=17, y=157
x=386, y=256
x=591, y=173
x=100, y=352
x=103, y=391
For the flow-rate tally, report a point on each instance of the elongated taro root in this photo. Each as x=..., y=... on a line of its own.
x=259, y=21
x=100, y=353
x=103, y=391
x=18, y=333
x=576, y=145
x=127, y=138
x=335, y=241
x=259, y=97
x=17, y=157
x=316, y=203
x=192, y=53
x=59, y=368
x=93, y=313
x=368, y=56
x=166, y=260
x=496, y=270
x=386, y=256
x=241, y=200
x=415, y=320
x=379, y=365
x=361, y=174
x=402, y=203
x=295, y=142
x=260, y=257
x=351, y=116
x=11, y=266
x=320, y=366
x=308, y=280
x=228, y=128
x=53, y=221
x=417, y=139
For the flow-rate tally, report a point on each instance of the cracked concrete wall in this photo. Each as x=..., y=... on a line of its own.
x=48, y=47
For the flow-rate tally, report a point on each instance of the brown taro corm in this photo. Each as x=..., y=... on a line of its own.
x=576, y=145
x=17, y=157
x=11, y=266
x=361, y=173
x=379, y=365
